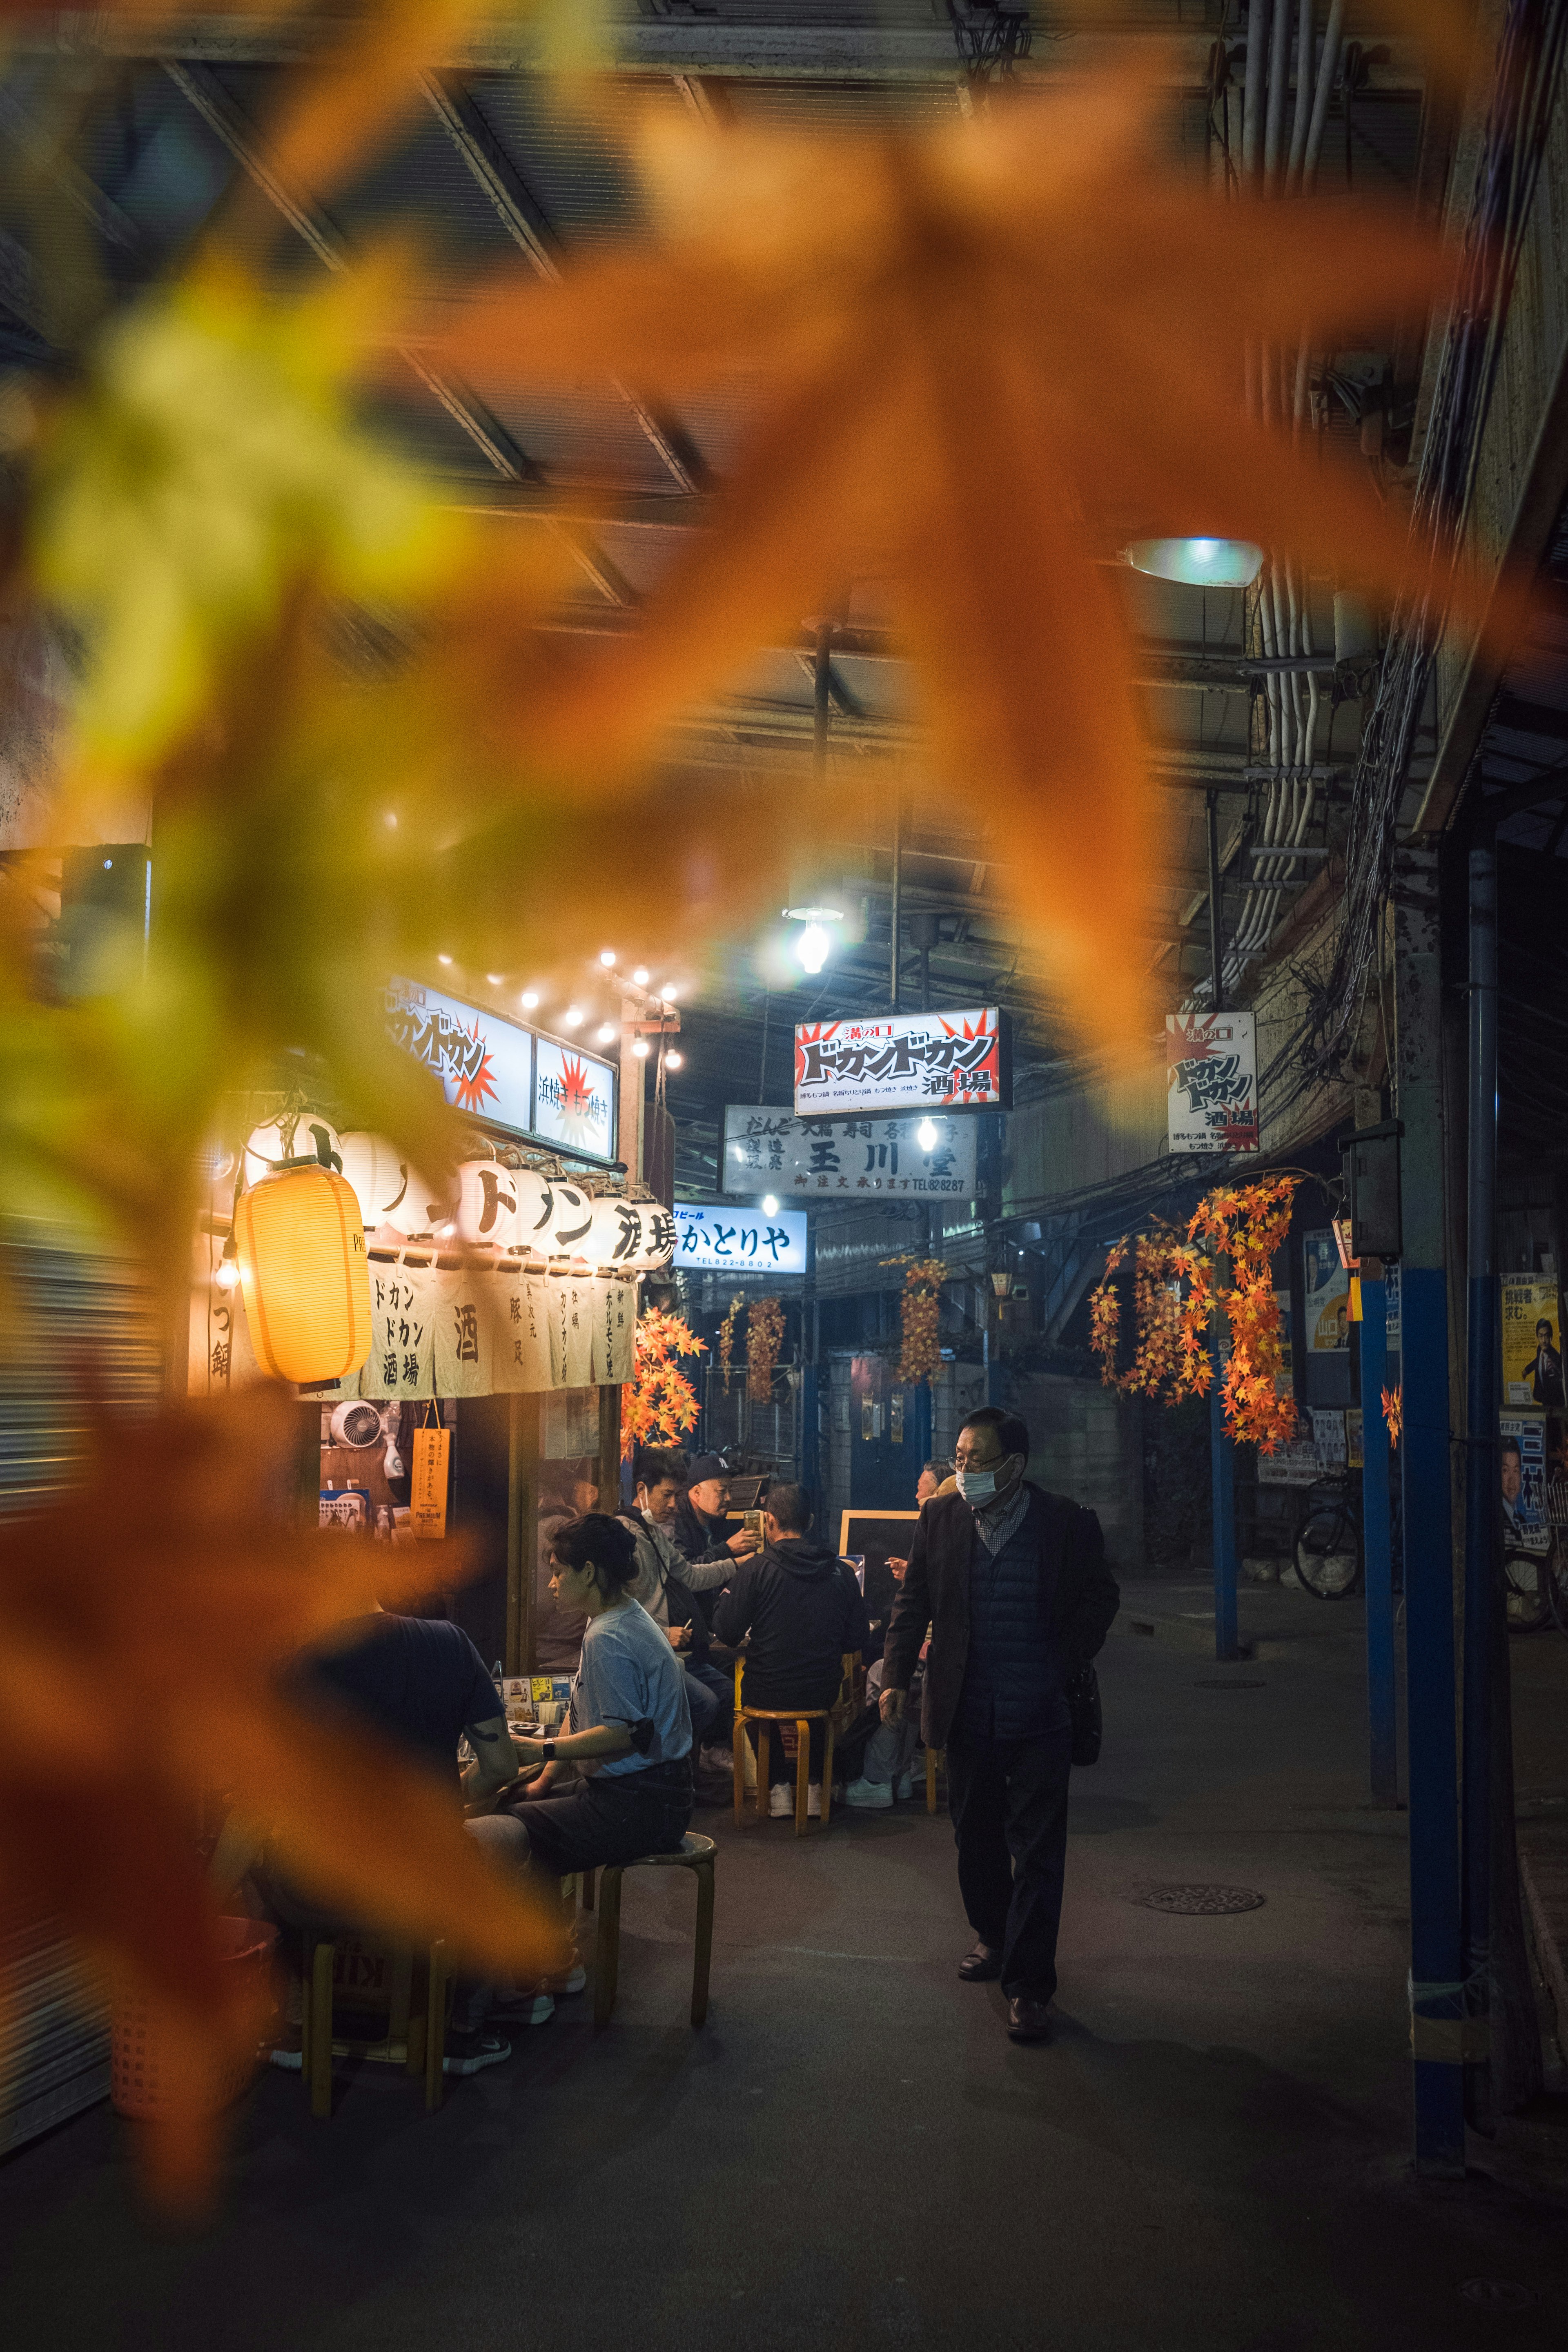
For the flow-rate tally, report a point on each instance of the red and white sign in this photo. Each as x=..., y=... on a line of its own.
x=1211, y=1081
x=903, y=1061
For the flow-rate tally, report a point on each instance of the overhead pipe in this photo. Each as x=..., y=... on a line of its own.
x=1303, y=107
x=1278, y=76
x=1252, y=94
x=1328, y=66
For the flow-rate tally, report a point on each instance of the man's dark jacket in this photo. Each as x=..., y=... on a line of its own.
x=802, y=1608
x=694, y=1533
x=935, y=1591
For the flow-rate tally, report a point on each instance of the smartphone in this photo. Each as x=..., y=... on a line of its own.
x=752, y=1523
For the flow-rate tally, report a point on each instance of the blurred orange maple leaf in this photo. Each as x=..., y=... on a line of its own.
x=143, y=1622
x=982, y=359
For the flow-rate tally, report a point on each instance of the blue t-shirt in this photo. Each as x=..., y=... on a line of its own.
x=630, y=1674
x=418, y=1680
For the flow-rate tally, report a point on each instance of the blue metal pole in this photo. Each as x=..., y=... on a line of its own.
x=1222, y=1466
x=1480, y=1470
x=1377, y=1537
x=1436, y=1996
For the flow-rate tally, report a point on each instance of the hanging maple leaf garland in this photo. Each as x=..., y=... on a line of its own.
x=1177, y=1292
x=184, y=1545
x=974, y=354
x=727, y=1338
x=659, y=1403
x=765, y=1331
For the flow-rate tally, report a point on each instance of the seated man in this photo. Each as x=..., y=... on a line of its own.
x=665, y=1576
x=419, y=1684
x=698, y=1525
x=798, y=1607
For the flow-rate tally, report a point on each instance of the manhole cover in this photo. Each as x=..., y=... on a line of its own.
x=1201, y=1902
x=1228, y=1682
x=1497, y=2295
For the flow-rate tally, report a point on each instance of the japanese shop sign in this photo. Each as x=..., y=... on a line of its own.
x=485, y=1064
x=904, y=1061
x=740, y=1240
x=574, y=1099
x=1210, y=1078
x=768, y=1150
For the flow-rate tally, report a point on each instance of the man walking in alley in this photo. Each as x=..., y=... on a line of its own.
x=1014, y=1586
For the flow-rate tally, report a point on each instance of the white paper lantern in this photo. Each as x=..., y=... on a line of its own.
x=535, y=1210
x=619, y=1235
x=307, y=1137
x=658, y=1238
x=424, y=1208
x=379, y=1175
x=571, y=1220
x=487, y=1203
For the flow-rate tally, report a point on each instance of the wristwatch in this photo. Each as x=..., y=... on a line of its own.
x=547, y=1749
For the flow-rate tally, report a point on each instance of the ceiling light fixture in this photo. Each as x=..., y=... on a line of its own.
x=639, y=1047
x=606, y=957
x=812, y=947
x=441, y=959
x=606, y=1032
x=640, y=977
x=674, y=1061
x=528, y=999
x=573, y=1016
x=1197, y=563
x=494, y=978
x=667, y=992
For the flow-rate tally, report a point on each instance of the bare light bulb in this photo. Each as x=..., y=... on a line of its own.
x=573, y=1016
x=606, y=957
x=441, y=959
x=640, y=975
x=667, y=992
x=228, y=1273
x=606, y=1033
x=926, y=1135
x=639, y=1047
x=528, y=999
x=674, y=1061
x=812, y=947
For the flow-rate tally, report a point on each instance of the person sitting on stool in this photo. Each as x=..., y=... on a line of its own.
x=802, y=1609
x=1013, y=1584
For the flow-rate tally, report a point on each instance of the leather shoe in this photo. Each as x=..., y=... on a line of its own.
x=1027, y=2020
x=981, y=1965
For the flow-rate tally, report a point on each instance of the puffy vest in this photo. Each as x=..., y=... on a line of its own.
x=1014, y=1674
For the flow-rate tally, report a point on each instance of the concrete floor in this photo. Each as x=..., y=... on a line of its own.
x=1212, y=2153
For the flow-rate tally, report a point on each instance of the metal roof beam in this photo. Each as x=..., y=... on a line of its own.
x=524, y=219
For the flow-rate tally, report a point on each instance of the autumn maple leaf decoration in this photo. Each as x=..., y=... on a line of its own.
x=980, y=359
x=164, y=1598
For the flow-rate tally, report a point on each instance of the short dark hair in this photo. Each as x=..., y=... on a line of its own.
x=596, y=1540
x=657, y=1465
x=1544, y=1326
x=790, y=1507
x=1012, y=1434
x=938, y=1468
x=1512, y=1445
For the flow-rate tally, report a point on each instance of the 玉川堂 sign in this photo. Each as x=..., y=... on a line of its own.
x=903, y=1061
x=1211, y=1081
x=768, y=1150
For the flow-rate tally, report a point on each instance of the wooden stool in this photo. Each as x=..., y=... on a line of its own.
x=414, y=2039
x=694, y=1853
x=803, y=1717
x=934, y=1756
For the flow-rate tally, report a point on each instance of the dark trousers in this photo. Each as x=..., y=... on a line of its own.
x=714, y=1730
x=782, y=1767
x=1008, y=1799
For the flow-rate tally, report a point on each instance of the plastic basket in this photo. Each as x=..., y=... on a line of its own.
x=151, y=2059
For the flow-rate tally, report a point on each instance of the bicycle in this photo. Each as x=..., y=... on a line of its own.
x=1533, y=1581
x=1329, y=1561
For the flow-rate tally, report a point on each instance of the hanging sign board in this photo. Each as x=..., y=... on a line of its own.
x=428, y=1483
x=574, y=1099
x=484, y=1062
x=904, y=1061
x=768, y=1150
x=1328, y=1295
x=740, y=1240
x=1211, y=1081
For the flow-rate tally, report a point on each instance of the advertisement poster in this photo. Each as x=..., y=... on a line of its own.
x=773, y=1152
x=1327, y=1294
x=725, y=1240
x=1522, y=1459
x=485, y=1062
x=1531, y=1340
x=428, y=1491
x=1211, y=1081
x=574, y=1098
x=904, y=1061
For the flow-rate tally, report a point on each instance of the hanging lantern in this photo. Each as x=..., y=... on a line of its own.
x=535, y=1209
x=658, y=1238
x=301, y=1135
x=487, y=1203
x=571, y=1220
x=424, y=1208
x=379, y=1174
x=618, y=1234
x=305, y=1275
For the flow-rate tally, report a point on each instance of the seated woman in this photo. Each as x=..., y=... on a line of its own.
x=629, y=1730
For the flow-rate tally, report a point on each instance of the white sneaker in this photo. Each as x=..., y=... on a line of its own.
x=870, y=1796
x=905, y=1787
x=781, y=1800
x=813, y=1800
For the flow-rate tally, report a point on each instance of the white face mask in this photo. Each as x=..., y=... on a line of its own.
x=977, y=1485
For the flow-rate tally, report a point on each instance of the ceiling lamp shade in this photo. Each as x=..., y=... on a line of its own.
x=1197, y=563
x=304, y=1274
